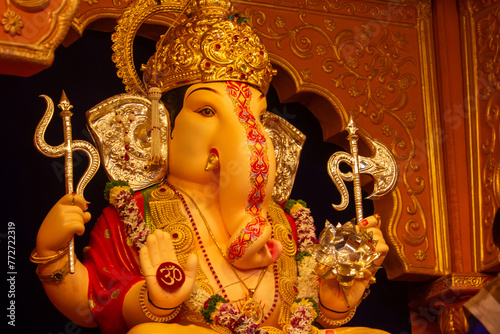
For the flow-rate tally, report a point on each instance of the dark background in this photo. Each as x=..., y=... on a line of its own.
x=32, y=183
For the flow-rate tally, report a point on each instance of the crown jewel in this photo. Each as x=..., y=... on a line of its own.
x=212, y=44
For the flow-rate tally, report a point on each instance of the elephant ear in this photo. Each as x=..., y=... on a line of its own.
x=287, y=141
x=121, y=128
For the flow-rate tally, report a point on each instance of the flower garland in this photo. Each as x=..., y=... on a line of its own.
x=218, y=311
x=120, y=195
x=304, y=312
x=304, y=309
x=306, y=231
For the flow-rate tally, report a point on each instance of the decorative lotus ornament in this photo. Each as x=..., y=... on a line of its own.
x=344, y=253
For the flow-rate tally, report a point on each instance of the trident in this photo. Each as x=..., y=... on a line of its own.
x=66, y=149
x=381, y=166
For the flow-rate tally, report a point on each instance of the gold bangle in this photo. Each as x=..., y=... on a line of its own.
x=148, y=313
x=338, y=323
x=56, y=277
x=47, y=259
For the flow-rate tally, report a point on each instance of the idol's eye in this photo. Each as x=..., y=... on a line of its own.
x=207, y=112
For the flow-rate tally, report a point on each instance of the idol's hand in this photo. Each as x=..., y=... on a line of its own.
x=66, y=218
x=158, y=250
x=331, y=294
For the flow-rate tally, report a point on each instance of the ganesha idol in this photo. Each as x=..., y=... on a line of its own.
x=204, y=243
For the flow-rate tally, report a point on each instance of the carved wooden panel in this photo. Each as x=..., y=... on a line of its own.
x=30, y=32
x=480, y=25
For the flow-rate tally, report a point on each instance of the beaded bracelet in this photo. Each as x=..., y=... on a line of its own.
x=148, y=313
x=338, y=323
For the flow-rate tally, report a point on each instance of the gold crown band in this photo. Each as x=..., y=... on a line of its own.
x=212, y=44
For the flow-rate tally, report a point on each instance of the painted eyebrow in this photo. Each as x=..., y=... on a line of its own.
x=261, y=97
x=205, y=88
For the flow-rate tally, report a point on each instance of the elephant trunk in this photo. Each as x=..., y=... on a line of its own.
x=249, y=228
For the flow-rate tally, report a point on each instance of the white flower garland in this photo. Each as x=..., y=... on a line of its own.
x=197, y=299
x=307, y=280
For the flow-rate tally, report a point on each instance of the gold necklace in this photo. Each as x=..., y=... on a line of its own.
x=250, y=308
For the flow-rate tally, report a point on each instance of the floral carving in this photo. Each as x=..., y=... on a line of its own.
x=388, y=130
x=354, y=91
x=329, y=25
x=12, y=23
x=280, y=22
x=306, y=74
x=380, y=92
x=420, y=255
x=411, y=117
x=321, y=50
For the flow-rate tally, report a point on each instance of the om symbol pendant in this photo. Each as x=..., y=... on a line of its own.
x=253, y=310
x=170, y=276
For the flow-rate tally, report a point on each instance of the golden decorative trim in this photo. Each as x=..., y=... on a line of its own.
x=438, y=203
x=479, y=24
x=41, y=52
x=379, y=10
x=452, y=319
x=31, y=5
x=132, y=17
x=449, y=287
x=272, y=330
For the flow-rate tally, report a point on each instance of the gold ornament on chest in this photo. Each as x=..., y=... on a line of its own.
x=171, y=213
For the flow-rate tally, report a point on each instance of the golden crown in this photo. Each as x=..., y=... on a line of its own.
x=213, y=44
